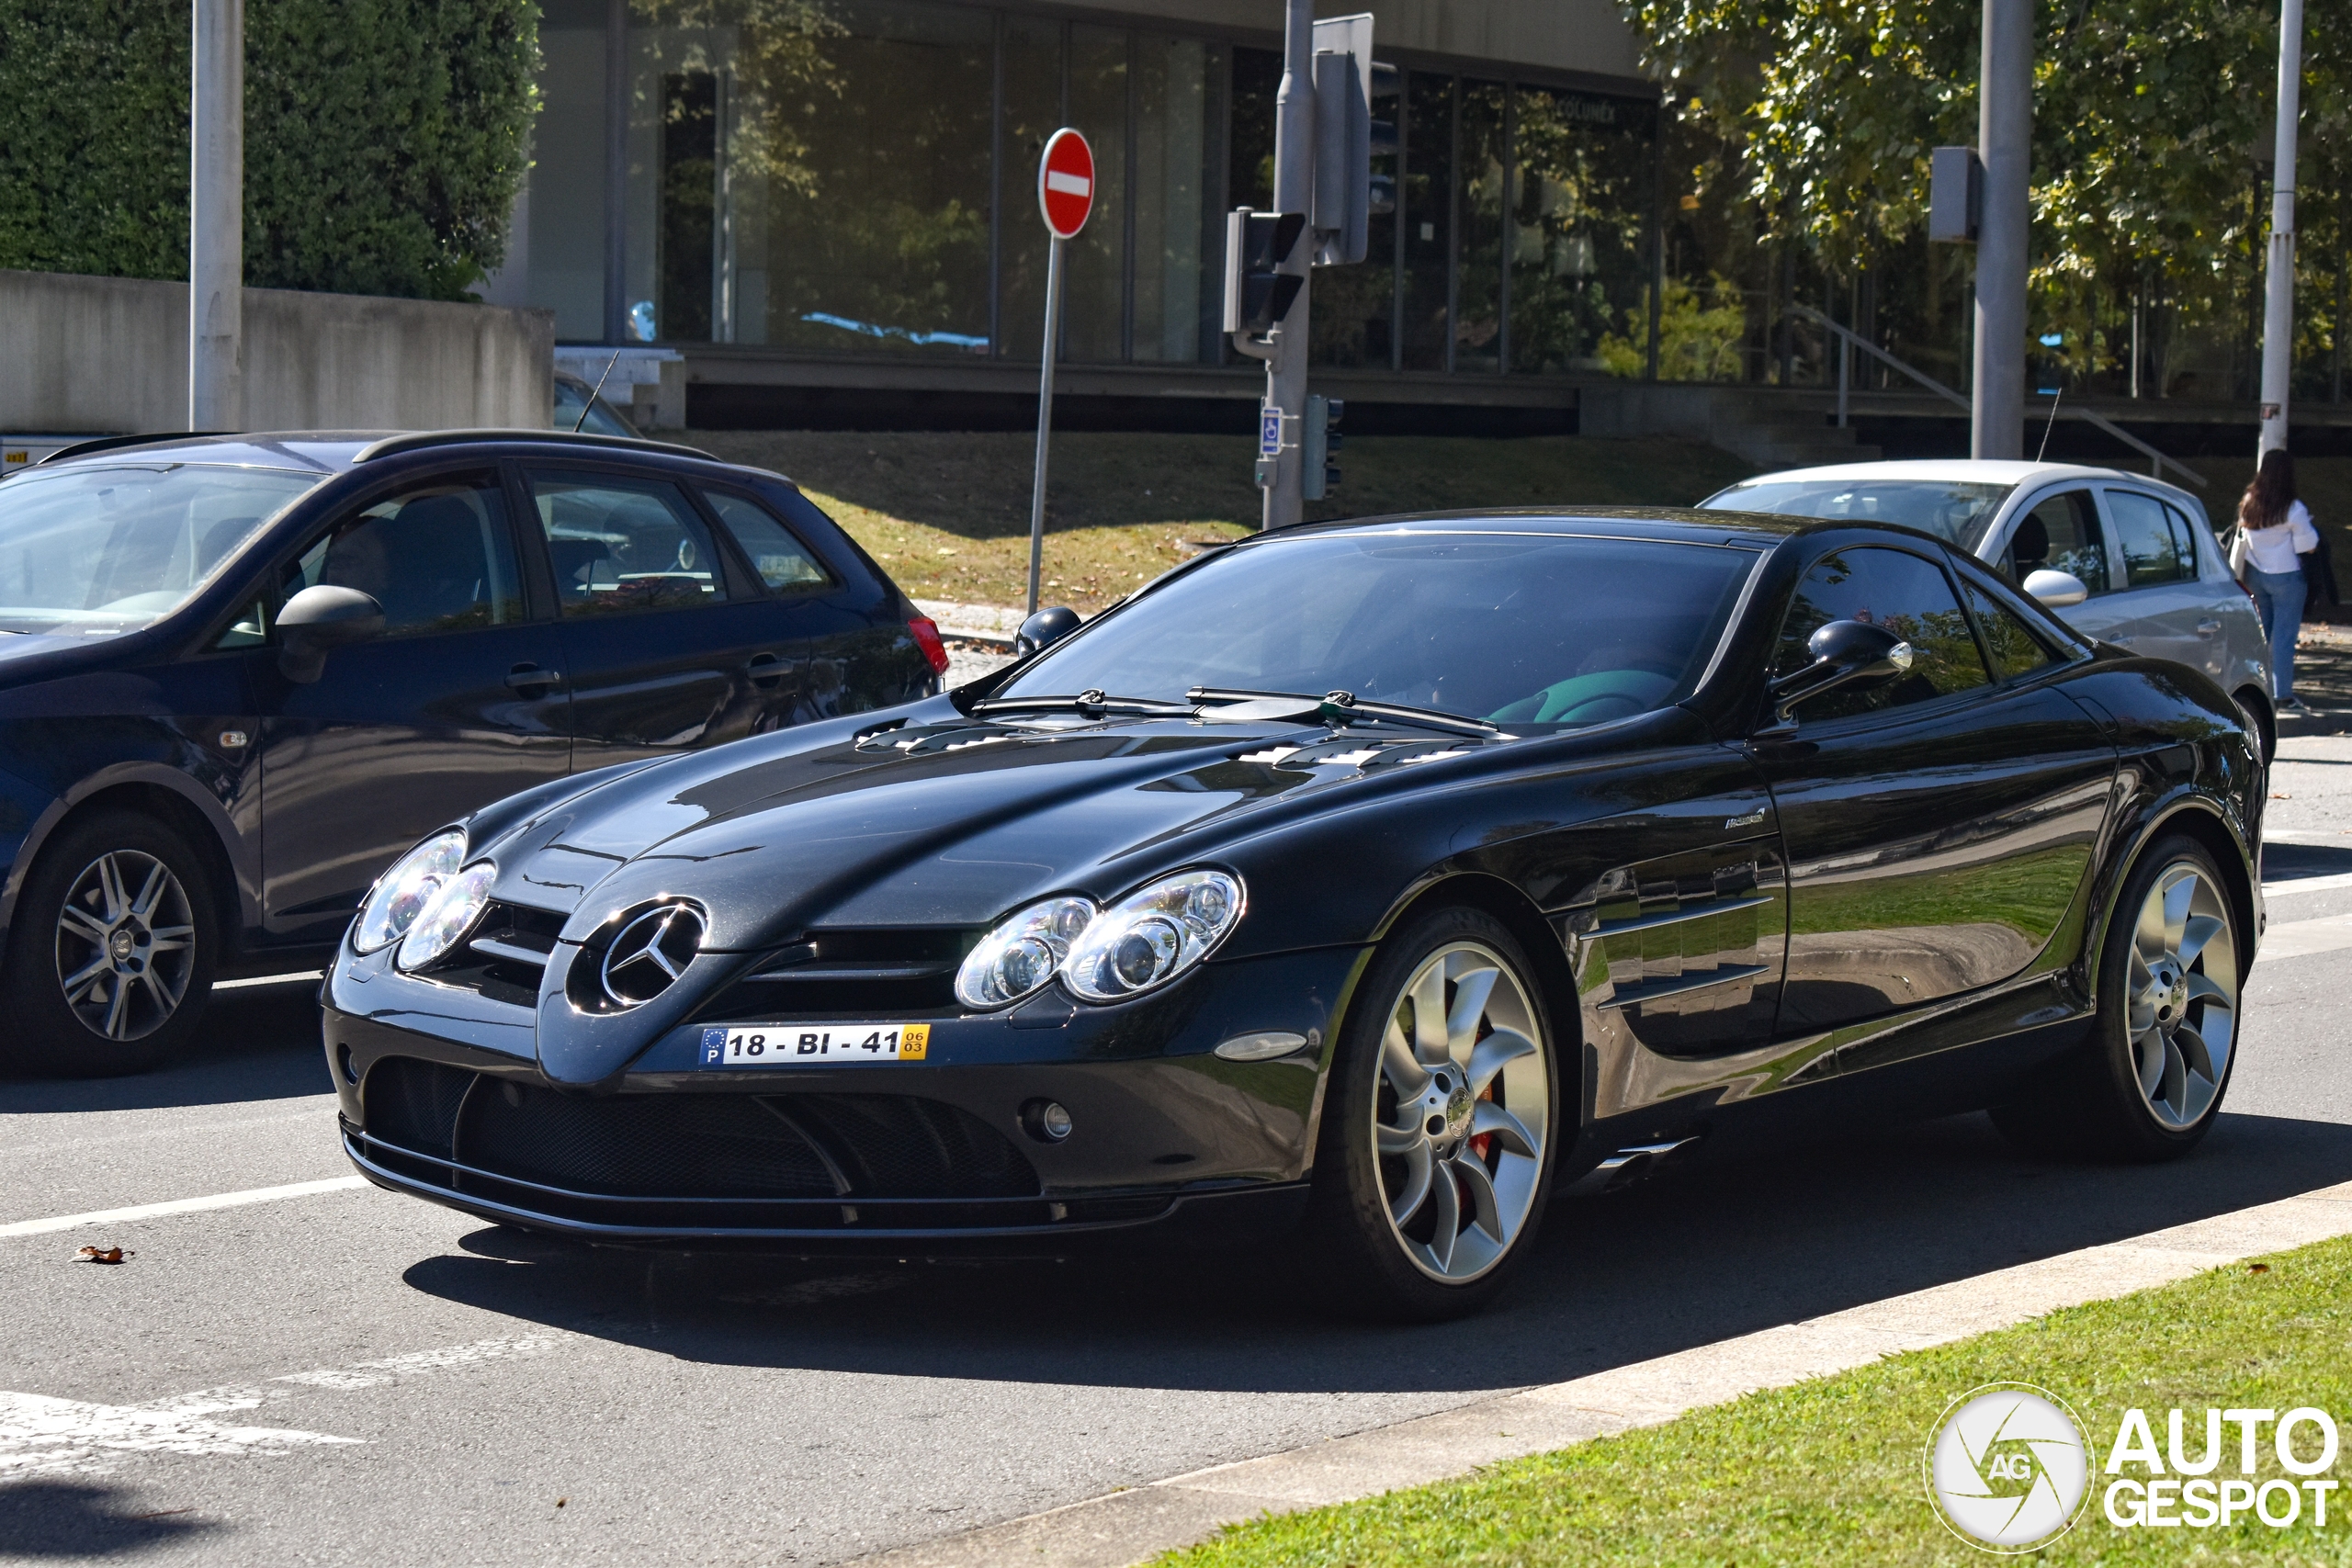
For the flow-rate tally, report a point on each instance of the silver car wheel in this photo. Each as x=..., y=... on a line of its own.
x=126, y=945
x=2181, y=995
x=1461, y=1113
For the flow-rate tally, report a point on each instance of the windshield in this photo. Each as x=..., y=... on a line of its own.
x=1956, y=513
x=1520, y=630
x=101, y=550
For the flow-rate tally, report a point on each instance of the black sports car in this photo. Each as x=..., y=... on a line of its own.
x=1384, y=876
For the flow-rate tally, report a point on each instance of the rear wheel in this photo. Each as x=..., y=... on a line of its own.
x=2149, y=1082
x=111, y=951
x=1437, y=1152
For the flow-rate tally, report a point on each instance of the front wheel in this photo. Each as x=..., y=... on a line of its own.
x=111, y=951
x=2150, y=1081
x=1439, y=1130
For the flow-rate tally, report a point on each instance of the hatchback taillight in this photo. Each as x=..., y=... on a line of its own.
x=926, y=635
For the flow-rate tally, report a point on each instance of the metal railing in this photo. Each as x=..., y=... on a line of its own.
x=1849, y=340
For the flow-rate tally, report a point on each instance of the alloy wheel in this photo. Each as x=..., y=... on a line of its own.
x=126, y=945
x=1462, y=1113
x=2182, y=995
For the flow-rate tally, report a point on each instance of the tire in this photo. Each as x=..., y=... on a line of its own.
x=111, y=951
x=1408, y=1227
x=2150, y=1080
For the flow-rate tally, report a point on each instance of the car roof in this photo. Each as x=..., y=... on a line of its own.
x=1682, y=524
x=1949, y=471
x=339, y=451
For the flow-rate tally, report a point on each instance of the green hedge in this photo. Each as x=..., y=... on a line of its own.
x=384, y=139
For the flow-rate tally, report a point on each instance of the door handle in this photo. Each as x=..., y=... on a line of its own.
x=765, y=669
x=523, y=677
x=2207, y=628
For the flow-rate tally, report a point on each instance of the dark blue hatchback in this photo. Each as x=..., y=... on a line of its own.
x=240, y=674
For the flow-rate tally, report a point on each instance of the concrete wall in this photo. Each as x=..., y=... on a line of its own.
x=109, y=355
x=1562, y=34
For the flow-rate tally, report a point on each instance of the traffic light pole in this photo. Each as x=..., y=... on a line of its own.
x=1293, y=191
x=2278, y=304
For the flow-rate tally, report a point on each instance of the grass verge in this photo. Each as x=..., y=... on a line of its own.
x=1828, y=1471
x=947, y=514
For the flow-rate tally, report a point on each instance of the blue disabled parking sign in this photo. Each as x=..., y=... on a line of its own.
x=1270, y=431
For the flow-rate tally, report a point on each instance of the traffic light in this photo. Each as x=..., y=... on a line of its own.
x=1321, y=438
x=1256, y=244
x=1342, y=200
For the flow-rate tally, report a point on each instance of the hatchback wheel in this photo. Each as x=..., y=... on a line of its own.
x=1437, y=1153
x=2150, y=1081
x=112, y=949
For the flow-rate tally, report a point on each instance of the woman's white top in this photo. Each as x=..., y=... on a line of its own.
x=2273, y=550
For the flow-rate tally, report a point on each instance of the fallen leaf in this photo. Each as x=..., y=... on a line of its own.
x=2276, y=796
x=2257, y=1268
x=105, y=1254
x=559, y=1502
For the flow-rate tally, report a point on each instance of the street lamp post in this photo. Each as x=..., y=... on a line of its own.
x=2278, y=298
x=216, y=242
x=2005, y=140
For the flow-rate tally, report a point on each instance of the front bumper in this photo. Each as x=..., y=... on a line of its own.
x=1165, y=1135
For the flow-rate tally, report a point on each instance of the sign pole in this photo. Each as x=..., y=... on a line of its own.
x=2278, y=301
x=1044, y=417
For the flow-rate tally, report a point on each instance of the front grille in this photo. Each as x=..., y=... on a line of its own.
x=704, y=1148
x=505, y=956
x=877, y=973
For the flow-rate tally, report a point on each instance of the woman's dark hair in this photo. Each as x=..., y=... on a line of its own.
x=2266, y=499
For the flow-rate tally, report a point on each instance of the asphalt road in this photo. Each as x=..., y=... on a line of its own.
x=357, y=1377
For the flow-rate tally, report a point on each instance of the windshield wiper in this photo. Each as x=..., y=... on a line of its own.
x=1090, y=701
x=1341, y=707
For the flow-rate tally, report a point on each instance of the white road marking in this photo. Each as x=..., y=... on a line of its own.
x=2307, y=885
x=269, y=980
x=2301, y=939
x=183, y=1206
x=42, y=1435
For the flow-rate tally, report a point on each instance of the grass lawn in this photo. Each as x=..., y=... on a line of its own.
x=948, y=514
x=1828, y=1471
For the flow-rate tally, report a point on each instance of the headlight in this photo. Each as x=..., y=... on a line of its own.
x=393, y=903
x=1152, y=936
x=447, y=915
x=1021, y=954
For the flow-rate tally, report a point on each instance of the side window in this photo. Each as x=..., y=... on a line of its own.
x=2154, y=550
x=2015, y=649
x=2061, y=534
x=2184, y=535
x=1901, y=591
x=784, y=562
x=625, y=545
x=438, y=559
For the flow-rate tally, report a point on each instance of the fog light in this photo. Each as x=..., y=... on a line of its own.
x=350, y=1068
x=1046, y=1121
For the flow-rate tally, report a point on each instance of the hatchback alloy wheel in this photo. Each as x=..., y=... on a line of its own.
x=126, y=945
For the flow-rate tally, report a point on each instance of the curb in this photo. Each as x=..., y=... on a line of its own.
x=1127, y=1526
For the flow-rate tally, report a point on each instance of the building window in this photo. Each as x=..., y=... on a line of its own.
x=1579, y=232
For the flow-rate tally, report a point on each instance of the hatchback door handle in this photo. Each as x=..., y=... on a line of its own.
x=523, y=677
x=765, y=669
x=2207, y=628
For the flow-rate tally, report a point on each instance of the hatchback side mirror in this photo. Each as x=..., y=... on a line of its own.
x=2056, y=588
x=1845, y=653
x=1043, y=629
x=320, y=619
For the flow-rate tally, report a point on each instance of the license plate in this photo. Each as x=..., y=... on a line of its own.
x=803, y=1045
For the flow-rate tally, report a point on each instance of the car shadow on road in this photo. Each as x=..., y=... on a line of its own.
x=1720, y=1249
x=42, y=1518
x=260, y=1043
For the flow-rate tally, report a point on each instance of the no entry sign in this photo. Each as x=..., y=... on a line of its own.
x=1066, y=182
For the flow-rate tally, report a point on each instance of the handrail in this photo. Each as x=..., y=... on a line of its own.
x=1858, y=341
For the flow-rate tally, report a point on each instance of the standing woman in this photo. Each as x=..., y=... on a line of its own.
x=2276, y=530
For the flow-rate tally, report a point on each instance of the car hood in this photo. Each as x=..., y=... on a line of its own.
x=949, y=823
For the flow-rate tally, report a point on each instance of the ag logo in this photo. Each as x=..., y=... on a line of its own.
x=2007, y=1467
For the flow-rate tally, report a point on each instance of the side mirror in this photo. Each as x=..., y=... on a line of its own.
x=320, y=619
x=1043, y=629
x=2056, y=588
x=1845, y=653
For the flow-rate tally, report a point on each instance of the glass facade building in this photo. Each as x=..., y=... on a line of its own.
x=855, y=181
